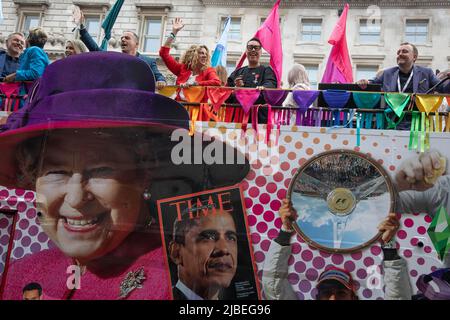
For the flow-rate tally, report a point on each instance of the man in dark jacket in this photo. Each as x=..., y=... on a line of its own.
x=9, y=59
x=129, y=42
x=406, y=76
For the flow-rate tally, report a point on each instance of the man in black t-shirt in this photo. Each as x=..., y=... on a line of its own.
x=254, y=75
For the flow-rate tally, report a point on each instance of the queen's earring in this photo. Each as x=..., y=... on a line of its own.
x=146, y=195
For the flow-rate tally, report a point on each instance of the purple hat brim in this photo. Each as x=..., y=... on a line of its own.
x=105, y=90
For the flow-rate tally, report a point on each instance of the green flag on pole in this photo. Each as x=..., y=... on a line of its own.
x=108, y=24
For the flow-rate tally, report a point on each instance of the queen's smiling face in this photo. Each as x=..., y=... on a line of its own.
x=89, y=191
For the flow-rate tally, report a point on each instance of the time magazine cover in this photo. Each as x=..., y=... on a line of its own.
x=207, y=246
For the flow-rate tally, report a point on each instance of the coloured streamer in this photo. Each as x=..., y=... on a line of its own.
x=428, y=103
x=194, y=117
x=414, y=134
x=358, y=129
x=247, y=98
x=275, y=97
x=304, y=99
x=391, y=123
x=10, y=90
x=194, y=94
x=397, y=102
x=336, y=99
x=365, y=100
x=218, y=96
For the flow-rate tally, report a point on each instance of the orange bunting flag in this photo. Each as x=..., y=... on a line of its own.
x=428, y=103
x=218, y=96
x=168, y=91
x=194, y=94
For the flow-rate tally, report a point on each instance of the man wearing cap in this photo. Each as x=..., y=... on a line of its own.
x=333, y=283
x=129, y=42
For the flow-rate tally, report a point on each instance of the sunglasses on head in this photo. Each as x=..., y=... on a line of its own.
x=253, y=47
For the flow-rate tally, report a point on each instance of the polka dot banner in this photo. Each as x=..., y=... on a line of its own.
x=29, y=237
x=264, y=193
x=272, y=167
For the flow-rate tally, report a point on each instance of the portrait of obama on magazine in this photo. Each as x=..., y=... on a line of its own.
x=207, y=246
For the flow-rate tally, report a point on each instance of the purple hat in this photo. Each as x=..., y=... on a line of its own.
x=436, y=285
x=105, y=90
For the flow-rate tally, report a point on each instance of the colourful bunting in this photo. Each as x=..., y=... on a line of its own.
x=304, y=98
x=247, y=98
x=397, y=102
x=366, y=100
x=336, y=99
x=168, y=91
x=275, y=97
x=428, y=103
x=218, y=96
x=194, y=94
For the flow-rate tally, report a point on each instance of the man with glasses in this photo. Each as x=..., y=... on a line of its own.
x=333, y=283
x=254, y=75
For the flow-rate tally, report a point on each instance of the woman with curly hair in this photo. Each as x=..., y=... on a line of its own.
x=194, y=69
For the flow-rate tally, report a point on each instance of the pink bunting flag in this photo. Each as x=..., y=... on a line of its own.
x=247, y=98
x=217, y=96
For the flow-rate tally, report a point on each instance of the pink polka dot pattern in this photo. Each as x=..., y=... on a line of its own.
x=264, y=188
x=27, y=239
x=294, y=149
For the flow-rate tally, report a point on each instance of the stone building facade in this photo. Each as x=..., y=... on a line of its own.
x=374, y=28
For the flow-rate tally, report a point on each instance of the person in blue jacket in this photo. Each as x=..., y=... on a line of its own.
x=129, y=42
x=34, y=60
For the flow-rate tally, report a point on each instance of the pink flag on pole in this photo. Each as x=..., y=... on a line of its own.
x=270, y=37
x=339, y=67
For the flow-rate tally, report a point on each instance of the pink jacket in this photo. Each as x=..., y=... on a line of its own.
x=49, y=267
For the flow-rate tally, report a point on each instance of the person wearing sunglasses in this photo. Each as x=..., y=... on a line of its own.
x=254, y=75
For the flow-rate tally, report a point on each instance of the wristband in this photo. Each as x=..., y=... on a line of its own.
x=172, y=35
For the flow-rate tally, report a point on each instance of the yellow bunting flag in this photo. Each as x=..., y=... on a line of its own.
x=428, y=103
x=194, y=94
x=168, y=91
